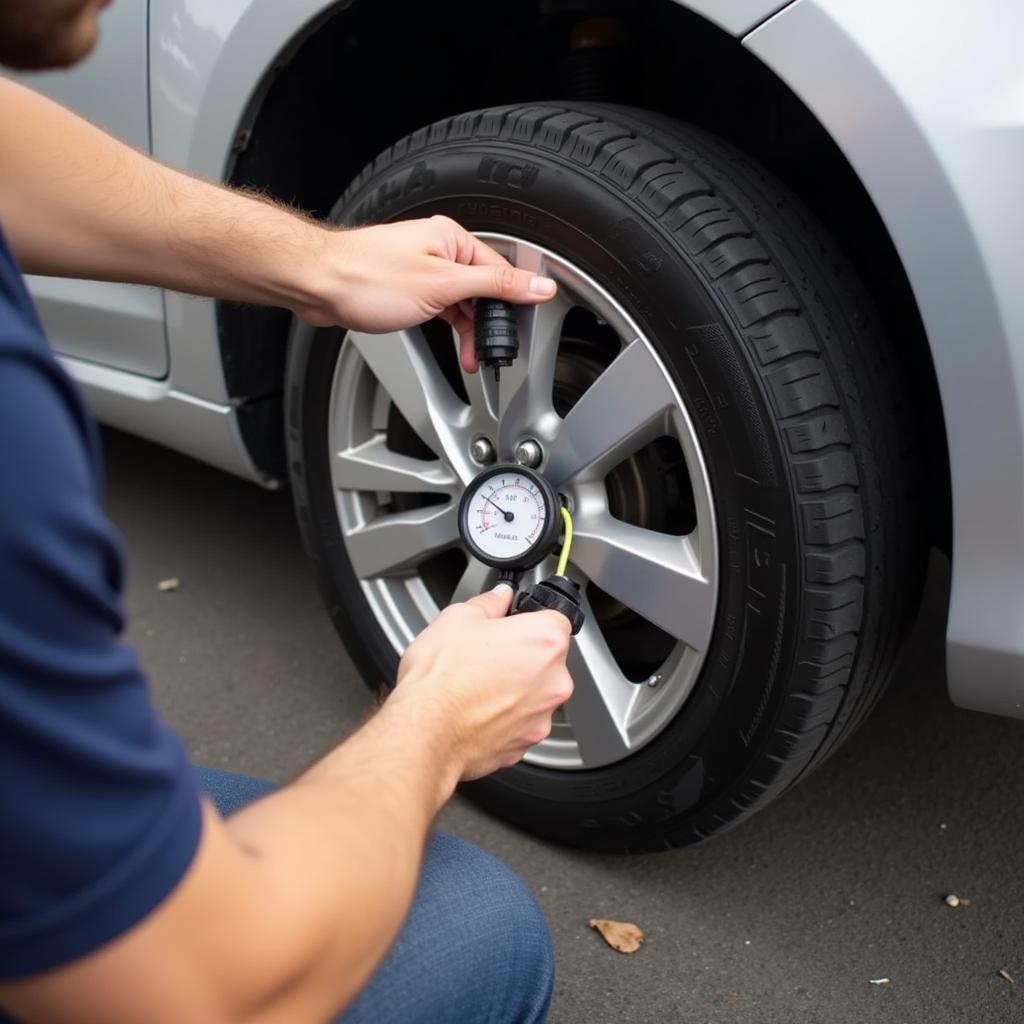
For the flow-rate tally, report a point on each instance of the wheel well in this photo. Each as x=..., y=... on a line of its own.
x=376, y=71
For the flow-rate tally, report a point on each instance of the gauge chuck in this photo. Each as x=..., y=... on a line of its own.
x=557, y=593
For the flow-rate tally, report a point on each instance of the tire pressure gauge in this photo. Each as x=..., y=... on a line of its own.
x=510, y=518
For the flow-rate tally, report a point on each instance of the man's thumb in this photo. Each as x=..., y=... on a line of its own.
x=495, y=603
x=508, y=283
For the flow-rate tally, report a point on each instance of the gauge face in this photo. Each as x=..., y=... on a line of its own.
x=508, y=517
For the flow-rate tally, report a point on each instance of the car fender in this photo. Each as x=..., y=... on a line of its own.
x=737, y=17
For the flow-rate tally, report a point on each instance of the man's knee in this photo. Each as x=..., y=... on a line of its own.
x=498, y=920
x=475, y=947
x=490, y=894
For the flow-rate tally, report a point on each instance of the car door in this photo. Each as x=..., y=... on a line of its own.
x=115, y=325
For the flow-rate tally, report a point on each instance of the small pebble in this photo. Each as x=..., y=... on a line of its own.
x=952, y=900
x=169, y=584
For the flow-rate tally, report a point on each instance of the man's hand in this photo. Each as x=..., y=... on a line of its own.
x=493, y=681
x=392, y=276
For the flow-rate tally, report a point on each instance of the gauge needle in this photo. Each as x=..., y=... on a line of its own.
x=509, y=516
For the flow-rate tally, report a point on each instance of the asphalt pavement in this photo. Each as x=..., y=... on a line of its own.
x=790, y=918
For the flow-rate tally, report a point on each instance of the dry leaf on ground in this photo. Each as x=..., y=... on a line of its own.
x=170, y=584
x=620, y=935
x=1006, y=976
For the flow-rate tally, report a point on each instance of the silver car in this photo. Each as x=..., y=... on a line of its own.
x=786, y=360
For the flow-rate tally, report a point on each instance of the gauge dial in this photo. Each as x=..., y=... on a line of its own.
x=509, y=517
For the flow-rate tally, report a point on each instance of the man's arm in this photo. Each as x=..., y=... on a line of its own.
x=291, y=904
x=76, y=202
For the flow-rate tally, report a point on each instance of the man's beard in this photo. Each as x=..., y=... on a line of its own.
x=39, y=34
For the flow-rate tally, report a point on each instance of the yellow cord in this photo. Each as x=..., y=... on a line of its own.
x=563, y=558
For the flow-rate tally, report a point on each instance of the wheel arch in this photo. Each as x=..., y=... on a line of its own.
x=211, y=68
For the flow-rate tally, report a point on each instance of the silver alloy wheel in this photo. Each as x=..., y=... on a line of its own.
x=671, y=581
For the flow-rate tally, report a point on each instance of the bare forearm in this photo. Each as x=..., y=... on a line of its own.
x=76, y=202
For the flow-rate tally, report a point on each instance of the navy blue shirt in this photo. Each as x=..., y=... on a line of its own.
x=99, y=808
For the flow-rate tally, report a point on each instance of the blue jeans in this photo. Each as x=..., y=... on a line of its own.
x=475, y=948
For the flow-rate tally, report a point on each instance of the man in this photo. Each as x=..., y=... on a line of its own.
x=124, y=896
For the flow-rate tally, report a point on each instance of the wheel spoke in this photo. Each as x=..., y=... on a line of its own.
x=475, y=580
x=408, y=371
x=527, y=257
x=525, y=396
x=655, y=574
x=626, y=407
x=483, y=399
x=601, y=698
x=372, y=466
x=395, y=544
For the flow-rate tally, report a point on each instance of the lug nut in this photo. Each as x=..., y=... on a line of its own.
x=481, y=451
x=529, y=453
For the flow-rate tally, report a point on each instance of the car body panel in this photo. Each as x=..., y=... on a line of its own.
x=942, y=156
x=113, y=324
x=116, y=325
x=737, y=17
x=154, y=409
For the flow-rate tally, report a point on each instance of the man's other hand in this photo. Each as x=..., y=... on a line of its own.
x=491, y=683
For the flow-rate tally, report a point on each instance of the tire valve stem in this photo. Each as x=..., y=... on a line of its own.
x=496, y=335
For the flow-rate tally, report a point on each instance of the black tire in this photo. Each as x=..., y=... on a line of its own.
x=783, y=365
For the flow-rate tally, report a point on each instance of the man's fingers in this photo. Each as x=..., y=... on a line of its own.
x=502, y=282
x=506, y=276
x=475, y=251
x=463, y=325
x=467, y=349
x=462, y=321
x=495, y=603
